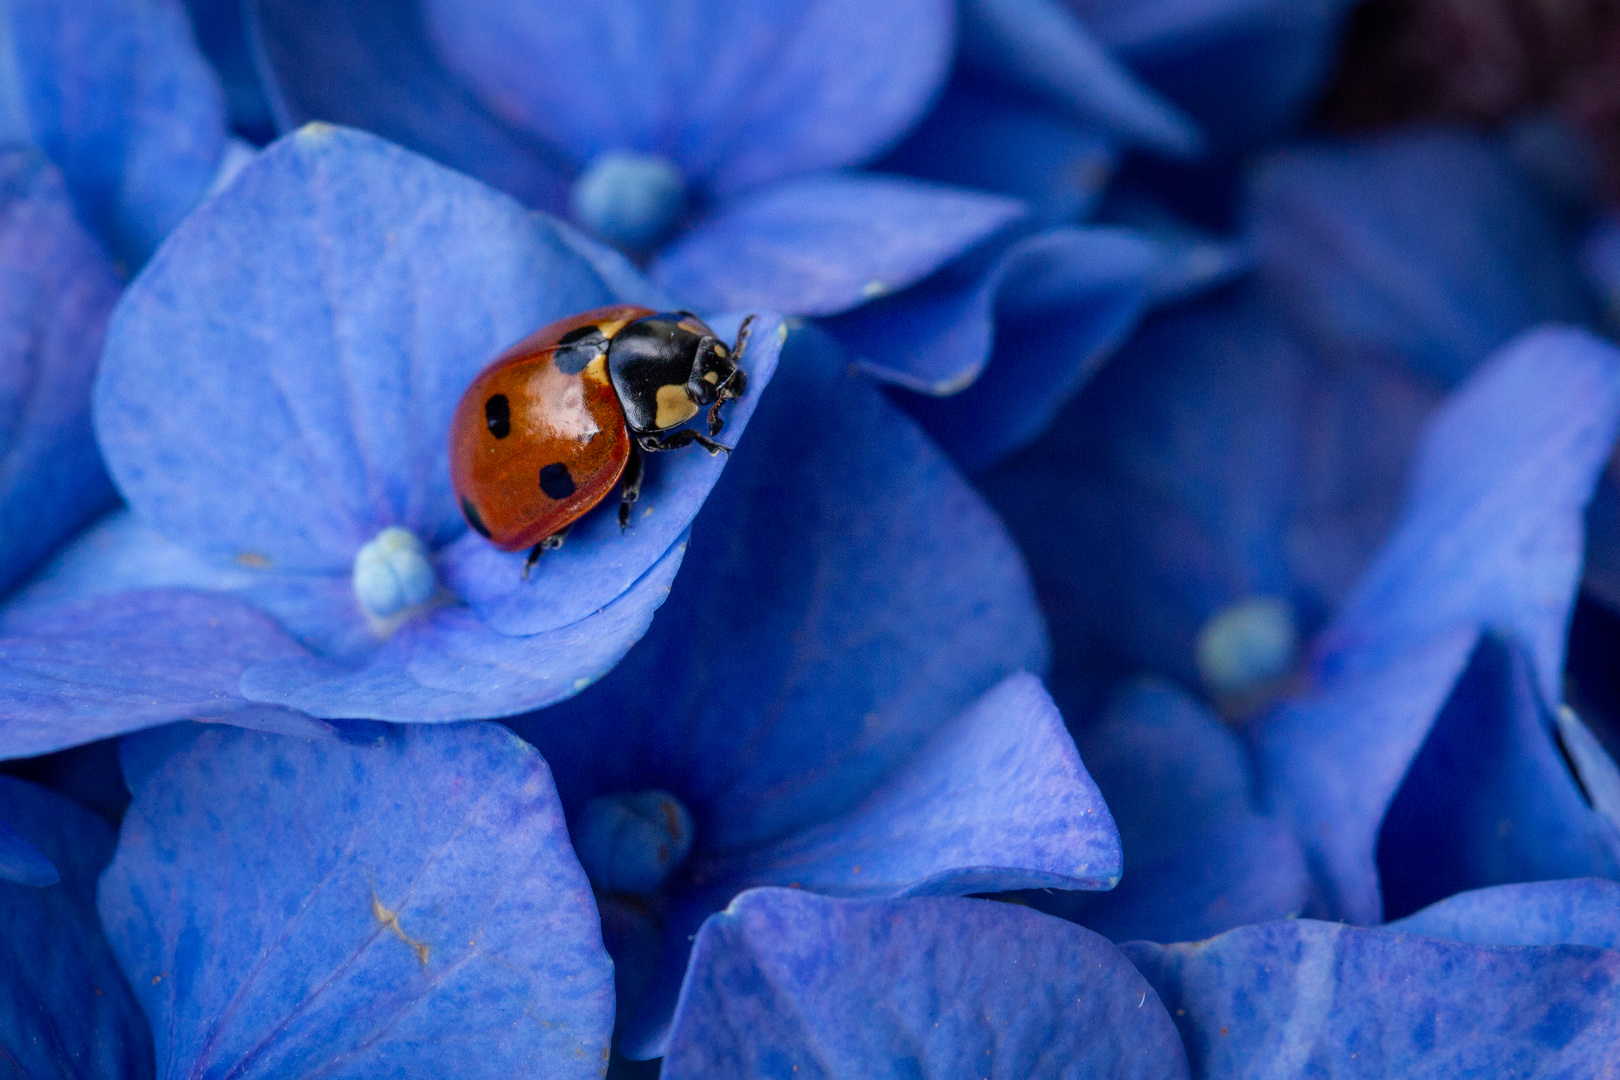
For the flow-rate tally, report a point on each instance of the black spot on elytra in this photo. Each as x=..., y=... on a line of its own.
x=577, y=348
x=474, y=519
x=498, y=416
x=555, y=481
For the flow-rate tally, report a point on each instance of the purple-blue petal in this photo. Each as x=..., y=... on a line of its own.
x=1583, y=911
x=1199, y=858
x=447, y=664
x=737, y=94
x=1247, y=71
x=981, y=135
x=85, y=671
x=1429, y=246
x=1305, y=998
x=820, y=245
x=65, y=1009
x=997, y=800
x=600, y=560
x=1490, y=798
x=368, y=64
x=1491, y=539
x=1039, y=46
x=118, y=97
x=57, y=288
x=285, y=908
x=786, y=983
x=1013, y=348
x=846, y=594
x=354, y=290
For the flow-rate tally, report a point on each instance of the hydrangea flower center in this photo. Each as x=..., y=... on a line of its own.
x=392, y=573
x=631, y=201
x=1247, y=644
x=632, y=842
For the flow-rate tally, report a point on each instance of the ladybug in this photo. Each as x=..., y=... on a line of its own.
x=552, y=424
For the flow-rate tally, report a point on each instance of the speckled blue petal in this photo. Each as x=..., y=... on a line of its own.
x=291, y=908
x=737, y=94
x=991, y=364
x=1215, y=459
x=846, y=594
x=980, y=135
x=56, y=290
x=599, y=561
x=820, y=245
x=448, y=665
x=355, y=290
x=1040, y=46
x=786, y=983
x=1490, y=798
x=117, y=95
x=86, y=671
x=1199, y=859
x=1491, y=539
x=65, y=1009
x=1583, y=911
x=1306, y=998
x=1246, y=70
x=1426, y=246
x=368, y=64
x=997, y=800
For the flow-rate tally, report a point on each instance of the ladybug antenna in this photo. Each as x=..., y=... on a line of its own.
x=743, y=331
x=736, y=382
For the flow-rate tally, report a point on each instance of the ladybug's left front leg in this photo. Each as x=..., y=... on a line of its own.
x=630, y=486
x=677, y=439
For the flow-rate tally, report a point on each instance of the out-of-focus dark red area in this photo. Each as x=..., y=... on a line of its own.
x=1483, y=61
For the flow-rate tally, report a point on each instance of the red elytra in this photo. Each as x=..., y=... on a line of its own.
x=535, y=445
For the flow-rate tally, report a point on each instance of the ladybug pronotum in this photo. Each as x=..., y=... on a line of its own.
x=546, y=430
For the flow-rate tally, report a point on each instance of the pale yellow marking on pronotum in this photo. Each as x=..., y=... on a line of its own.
x=674, y=407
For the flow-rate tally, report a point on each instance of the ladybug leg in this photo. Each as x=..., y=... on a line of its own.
x=550, y=543
x=677, y=439
x=736, y=383
x=630, y=490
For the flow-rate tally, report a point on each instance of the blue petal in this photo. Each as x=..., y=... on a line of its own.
x=1585, y=911
x=1213, y=461
x=21, y=861
x=1198, y=858
x=1491, y=539
x=738, y=94
x=1305, y=998
x=791, y=984
x=354, y=289
x=368, y=64
x=222, y=34
x=447, y=665
x=65, y=1009
x=1490, y=798
x=1246, y=70
x=1425, y=246
x=1039, y=46
x=600, y=560
x=86, y=671
x=1023, y=340
x=56, y=290
x=847, y=593
x=824, y=244
x=981, y=136
x=117, y=95
x=997, y=800
x=292, y=908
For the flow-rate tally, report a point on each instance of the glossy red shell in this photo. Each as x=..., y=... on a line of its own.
x=574, y=422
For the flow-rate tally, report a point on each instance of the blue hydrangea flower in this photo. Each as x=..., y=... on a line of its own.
x=274, y=399
x=1418, y=748
x=707, y=140
x=1434, y=995
x=116, y=94
x=789, y=983
x=831, y=699
x=285, y=907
